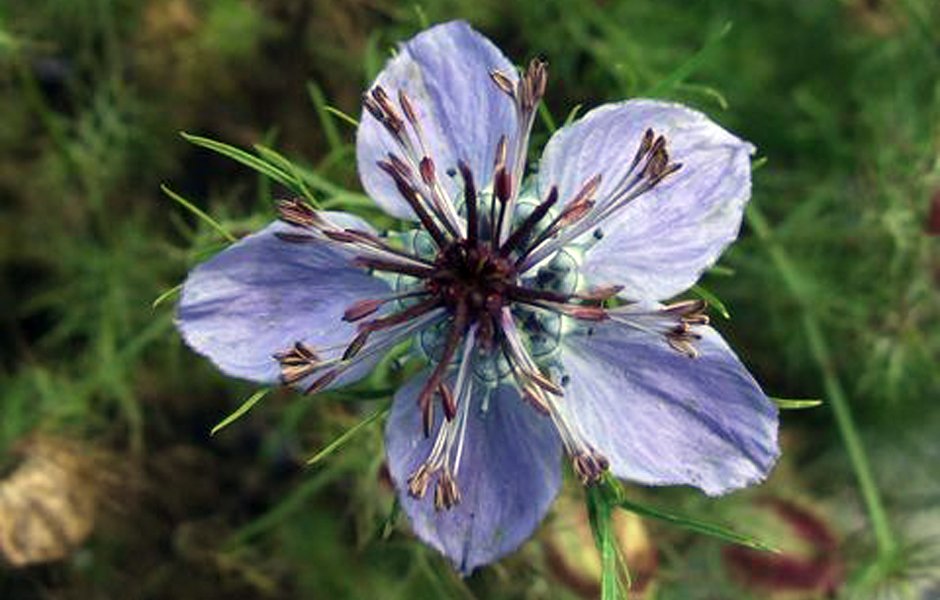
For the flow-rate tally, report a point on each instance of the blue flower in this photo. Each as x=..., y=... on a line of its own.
x=537, y=303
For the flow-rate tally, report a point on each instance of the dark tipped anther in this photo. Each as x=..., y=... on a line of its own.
x=436, y=377
x=427, y=170
x=504, y=83
x=410, y=195
x=525, y=229
x=362, y=309
x=297, y=212
x=446, y=493
x=321, y=383
x=357, y=344
x=407, y=107
x=470, y=199
x=448, y=402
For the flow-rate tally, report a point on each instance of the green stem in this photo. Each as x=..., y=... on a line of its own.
x=819, y=349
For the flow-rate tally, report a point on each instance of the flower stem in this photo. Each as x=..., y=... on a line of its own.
x=819, y=348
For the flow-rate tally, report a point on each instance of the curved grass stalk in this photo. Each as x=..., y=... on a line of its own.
x=838, y=401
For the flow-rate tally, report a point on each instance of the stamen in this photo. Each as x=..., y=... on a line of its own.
x=408, y=108
x=589, y=466
x=419, y=480
x=297, y=212
x=322, y=382
x=457, y=329
x=366, y=329
x=525, y=229
x=579, y=207
x=403, y=268
x=446, y=494
x=470, y=199
x=504, y=83
x=413, y=199
x=364, y=308
x=676, y=322
x=297, y=362
x=631, y=186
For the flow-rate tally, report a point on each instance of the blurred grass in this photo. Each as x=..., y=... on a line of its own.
x=841, y=97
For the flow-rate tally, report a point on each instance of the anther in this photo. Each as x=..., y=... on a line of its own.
x=589, y=466
x=504, y=83
x=325, y=380
x=470, y=199
x=298, y=213
x=446, y=493
x=419, y=480
x=407, y=107
x=297, y=362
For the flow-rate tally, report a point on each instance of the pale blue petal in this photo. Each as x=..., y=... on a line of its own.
x=660, y=244
x=663, y=418
x=509, y=475
x=445, y=72
x=262, y=294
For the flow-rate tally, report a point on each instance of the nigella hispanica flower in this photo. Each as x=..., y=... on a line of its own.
x=537, y=302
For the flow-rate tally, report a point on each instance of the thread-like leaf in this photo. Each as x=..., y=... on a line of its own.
x=347, y=435
x=711, y=529
x=796, y=403
x=199, y=213
x=241, y=410
x=712, y=299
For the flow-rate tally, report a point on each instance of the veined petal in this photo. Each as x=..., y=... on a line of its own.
x=262, y=294
x=658, y=244
x=663, y=418
x=445, y=71
x=508, y=475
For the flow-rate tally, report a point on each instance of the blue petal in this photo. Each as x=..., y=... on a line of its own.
x=445, y=72
x=508, y=476
x=263, y=294
x=663, y=418
x=659, y=244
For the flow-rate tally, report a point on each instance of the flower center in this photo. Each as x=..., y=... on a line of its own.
x=475, y=276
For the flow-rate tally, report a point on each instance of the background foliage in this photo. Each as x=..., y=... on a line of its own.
x=833, y=290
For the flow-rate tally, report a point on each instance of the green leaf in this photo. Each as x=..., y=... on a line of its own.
x=329, y=127
x=712, y=299
x=547, y=118
x=343, y=116
x=710, y=529
x=198, y=212
x=758, y=163
x=246, y=158
x=282, y=162
x=796, y=403
x=241, y=410
x=347, y=435
x=600, y=507
x=165, y=295
x=572, y=115
x=686, y=69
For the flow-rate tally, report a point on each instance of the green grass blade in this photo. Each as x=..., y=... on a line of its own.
x=347, y=435
x=689, y=67
x=547, y=118
x=199, y=213
x=246, y=158
x=241, y=410
x=599, y=514
x=166, y=295
x=342, y=116
x=712, y=300
x=329, y=127
x=703, y=527
x=796, y=404
x=572, y=115
x=282, y=162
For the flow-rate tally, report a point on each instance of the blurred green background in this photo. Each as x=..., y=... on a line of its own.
x=112, y=486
